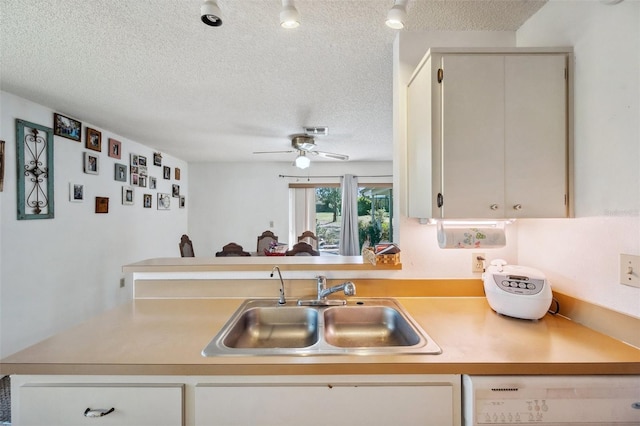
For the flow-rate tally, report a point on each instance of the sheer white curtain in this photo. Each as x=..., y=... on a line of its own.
x=349, y=244
x=302, y=210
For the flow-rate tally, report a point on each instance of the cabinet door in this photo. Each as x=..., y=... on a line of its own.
x=315, y=404
x=422, y=171
x=473, y=136
x=535, y=136
x=135, y=405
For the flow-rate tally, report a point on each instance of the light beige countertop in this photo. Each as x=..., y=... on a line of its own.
x=256, y=263
x=166, y=337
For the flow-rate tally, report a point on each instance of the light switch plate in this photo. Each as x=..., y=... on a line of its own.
x=630, y=270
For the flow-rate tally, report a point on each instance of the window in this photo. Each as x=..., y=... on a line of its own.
x=317, y=208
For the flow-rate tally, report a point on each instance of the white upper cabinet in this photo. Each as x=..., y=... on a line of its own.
x=488, y=134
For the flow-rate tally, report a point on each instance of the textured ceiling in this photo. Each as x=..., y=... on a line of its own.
x=150, y=71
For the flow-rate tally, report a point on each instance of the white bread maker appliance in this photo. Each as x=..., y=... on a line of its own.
x=517, y=291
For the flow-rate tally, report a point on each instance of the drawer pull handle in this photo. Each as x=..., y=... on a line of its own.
x=493, y=207
x=100, y=412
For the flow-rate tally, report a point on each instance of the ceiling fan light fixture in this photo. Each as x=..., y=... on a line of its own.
x=289, y=17
x=210, y=13
x=302, y=161
x=397, y=15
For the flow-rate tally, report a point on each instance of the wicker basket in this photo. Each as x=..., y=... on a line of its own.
x=380, y=259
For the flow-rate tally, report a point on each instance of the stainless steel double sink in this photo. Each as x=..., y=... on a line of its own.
x=364, y=326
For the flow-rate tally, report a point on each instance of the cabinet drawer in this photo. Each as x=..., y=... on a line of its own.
x=65, y=404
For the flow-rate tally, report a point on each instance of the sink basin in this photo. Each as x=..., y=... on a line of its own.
x=274, y=327
x=364, y=326
x=370, y=326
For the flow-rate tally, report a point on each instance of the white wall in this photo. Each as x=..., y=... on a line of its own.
x=237, y=201
x=55, y=273
x=581, y=255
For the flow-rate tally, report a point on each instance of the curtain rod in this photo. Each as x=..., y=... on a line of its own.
x=325, y=177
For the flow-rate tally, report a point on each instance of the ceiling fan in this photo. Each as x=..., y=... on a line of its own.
x=305, y=144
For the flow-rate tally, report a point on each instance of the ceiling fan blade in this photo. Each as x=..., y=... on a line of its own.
x=273, y=152
x=330, y=155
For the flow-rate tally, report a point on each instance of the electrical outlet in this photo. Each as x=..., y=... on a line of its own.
x=477, y=262
x=121, y=282
x=630, y=270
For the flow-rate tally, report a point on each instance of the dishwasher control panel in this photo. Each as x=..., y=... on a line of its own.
x=551, y=400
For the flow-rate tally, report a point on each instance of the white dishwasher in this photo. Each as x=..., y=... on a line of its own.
x=551, y=400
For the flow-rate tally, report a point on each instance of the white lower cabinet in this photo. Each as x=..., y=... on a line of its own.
x=99, y=404
x=330, y=400
x=236, y=400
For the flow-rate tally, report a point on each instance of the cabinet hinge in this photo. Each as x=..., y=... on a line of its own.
x=440, y=75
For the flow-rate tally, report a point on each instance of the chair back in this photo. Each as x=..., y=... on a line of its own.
x=186, y=247
x=232, y=249
x=309, y=238
x=302, y=249
x=264, y=242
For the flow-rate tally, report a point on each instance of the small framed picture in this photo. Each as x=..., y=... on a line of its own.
x=67, y=127
x=142, y=181
x=134, y=159
x=142, y=161
x=94, y=139
x=1, y=165
x=120, y=172
x=177, y=173
x=76, y=192
x=164, y=201
x=175, y=190
x=127, y=195
x=91, y=165
x=157, y=159
x=183, y=202
x=142, y=170
x=152, y=182
x=135, y=178
x=115, y=148
x=147, y=201
x=167, y=172
x=102, y=204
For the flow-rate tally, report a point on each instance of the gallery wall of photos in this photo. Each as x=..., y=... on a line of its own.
x=138, y=175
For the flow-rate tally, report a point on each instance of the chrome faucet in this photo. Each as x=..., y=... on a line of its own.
x=281, y=300
x=347, y=287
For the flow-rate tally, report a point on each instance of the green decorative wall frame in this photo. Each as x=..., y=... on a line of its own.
x=34, y=153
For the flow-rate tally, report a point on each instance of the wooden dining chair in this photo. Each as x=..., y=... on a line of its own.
x=264, y=242
x=186, y=247
x=309, y=238
x=232, y=249
x=302, y=249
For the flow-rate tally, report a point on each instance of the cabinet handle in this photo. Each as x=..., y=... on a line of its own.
x=517, y=207
x=99, y=412
x=493, y=207
x=440, y=199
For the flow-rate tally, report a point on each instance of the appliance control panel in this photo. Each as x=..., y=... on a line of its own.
x=597, y=411
x=551, y=400
x=518, y=284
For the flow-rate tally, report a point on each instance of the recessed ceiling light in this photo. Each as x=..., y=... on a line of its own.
x=210, y=13
x=397, y=15
x=289, y=17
